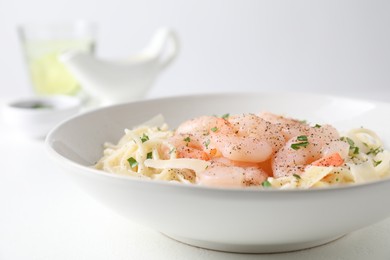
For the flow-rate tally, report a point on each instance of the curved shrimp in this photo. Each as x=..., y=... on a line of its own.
x=289, y=127
x=248, y=138
x=202, y=125
x=220, y=175
x=252, y=125
x=297, y=154
x=242, y=148
x=278, y=119
x=192, y=137
x=226, y=162
x=188, y=146
x=265, y=166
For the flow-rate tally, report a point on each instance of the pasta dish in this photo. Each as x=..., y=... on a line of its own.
x=262, y=150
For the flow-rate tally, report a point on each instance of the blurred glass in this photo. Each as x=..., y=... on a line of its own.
x=43, y=43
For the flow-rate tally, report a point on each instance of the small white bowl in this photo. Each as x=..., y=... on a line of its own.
x=36, y=116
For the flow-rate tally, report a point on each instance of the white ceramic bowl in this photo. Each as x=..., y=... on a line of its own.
x=36, y=116
x=238, y=220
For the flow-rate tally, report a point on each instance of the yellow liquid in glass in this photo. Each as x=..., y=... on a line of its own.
x=48, y=74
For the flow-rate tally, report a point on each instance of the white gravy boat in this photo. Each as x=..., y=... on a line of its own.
x=119, y=81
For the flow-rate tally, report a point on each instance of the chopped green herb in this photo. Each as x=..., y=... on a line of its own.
x=303, y=121
x=375, y=151
x=302, y=138
x=337, y=179
x=158, y=128
x=206, y=143
x=354, y=149
x=317, y=126
x=297, y=146
x=132, y=162
x=296, y=176
x=144, y=138
x=303, y=142
x=172, y=150
x=266, y=183
x=376, y=163
x=225, y=116
x=348, y=140
x=149, y=155
x=214, y=129
x=187, y=139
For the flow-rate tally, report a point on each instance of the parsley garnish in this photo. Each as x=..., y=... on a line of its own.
x=375, y=151
x=297, y=146
x=214, y=129
x=266, y=183
x=348, y=140
x=303, y=142
x=132, y=162
x=172, y=150
x=225, y=116
x=187, y=139
x=206, y=143
x=352, y=147
x=317, y=126
x=144, y=138
x=149, y=155
x=296, y=176
x=376, y=163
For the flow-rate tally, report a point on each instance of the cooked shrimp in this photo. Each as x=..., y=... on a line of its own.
x=278, y=119
x=226, y=162
x=322, y=135
x=265, y=166
x=289, y=127
x=242, y=148
x=252, y=125
x=339, y=147
x=248, y=138
x=297, y=154
x=333, y=159
x=188, y=146
x=192, y=137
x=231, y=176
x=201, y=125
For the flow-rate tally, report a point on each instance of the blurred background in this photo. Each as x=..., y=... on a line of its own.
x=335, y=47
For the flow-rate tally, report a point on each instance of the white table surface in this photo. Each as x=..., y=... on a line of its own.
x=43, y=215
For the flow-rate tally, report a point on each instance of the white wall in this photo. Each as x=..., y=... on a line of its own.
x=329, y=46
